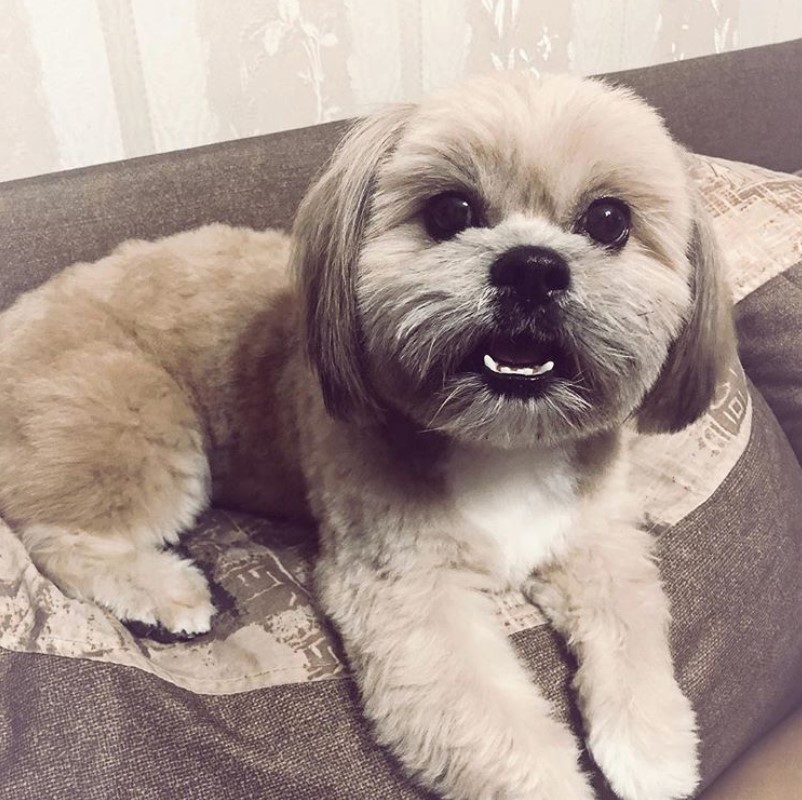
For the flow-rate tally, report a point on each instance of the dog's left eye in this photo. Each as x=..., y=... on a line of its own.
x=607, y=221
x=448, y=214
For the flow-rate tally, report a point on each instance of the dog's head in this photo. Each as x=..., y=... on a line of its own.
x=513, y=261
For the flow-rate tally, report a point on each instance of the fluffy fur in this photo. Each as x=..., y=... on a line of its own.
x=136, y=389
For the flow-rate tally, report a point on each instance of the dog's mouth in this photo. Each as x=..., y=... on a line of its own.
x=520, y=366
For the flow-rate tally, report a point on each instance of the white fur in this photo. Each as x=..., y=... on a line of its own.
x=606, y=599
x=522, y=502
x=444, y=688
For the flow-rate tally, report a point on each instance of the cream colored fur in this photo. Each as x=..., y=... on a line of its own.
x=122, y=389
x=135, y=390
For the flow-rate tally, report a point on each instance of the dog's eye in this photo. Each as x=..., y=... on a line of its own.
x=447, y=214
x=607, y=222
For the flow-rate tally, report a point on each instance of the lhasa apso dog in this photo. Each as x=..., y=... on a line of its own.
x=488, y=287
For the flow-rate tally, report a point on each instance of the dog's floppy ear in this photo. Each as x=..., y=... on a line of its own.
x=699, y=357
x=327, y=239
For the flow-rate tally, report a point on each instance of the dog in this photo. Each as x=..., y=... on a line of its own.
x=482, y=296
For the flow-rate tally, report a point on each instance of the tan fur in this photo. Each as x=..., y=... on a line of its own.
x=135, y=389
x=124, y=387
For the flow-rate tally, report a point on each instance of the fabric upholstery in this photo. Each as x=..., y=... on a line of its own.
x=758, y=217
x=740, y=105
x=771, y=347
x=49, y=222
x=771, y=770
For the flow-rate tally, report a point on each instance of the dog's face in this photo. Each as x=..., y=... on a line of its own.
x=513, y=261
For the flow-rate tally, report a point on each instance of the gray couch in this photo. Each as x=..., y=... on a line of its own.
x=74, y=729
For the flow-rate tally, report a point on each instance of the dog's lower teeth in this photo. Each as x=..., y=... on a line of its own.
x=524, y=372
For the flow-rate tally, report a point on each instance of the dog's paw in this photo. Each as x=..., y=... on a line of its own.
x=185, y=607
x=163, y=592
x=649, y=750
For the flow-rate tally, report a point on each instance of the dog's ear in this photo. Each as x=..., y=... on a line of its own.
x=701, y=354
x=327, y=240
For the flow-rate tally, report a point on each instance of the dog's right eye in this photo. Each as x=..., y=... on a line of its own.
x=448, y=214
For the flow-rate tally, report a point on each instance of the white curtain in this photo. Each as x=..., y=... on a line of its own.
x=87, y=81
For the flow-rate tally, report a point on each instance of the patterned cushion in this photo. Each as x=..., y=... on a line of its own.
x=262, y=706
x=759, y=216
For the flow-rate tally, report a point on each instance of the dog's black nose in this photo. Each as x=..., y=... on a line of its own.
x=537, y=275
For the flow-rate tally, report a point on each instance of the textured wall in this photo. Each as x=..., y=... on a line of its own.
x=86, y=81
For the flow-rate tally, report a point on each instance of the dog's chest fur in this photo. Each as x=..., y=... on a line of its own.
x=519, y=506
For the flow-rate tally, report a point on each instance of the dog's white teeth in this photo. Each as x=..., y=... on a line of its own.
x=525, y=372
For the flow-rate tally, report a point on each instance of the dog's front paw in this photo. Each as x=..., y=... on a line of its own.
x=162, y=592
x=648, y=750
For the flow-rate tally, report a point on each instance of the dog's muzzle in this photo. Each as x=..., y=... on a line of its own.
x=524, y=355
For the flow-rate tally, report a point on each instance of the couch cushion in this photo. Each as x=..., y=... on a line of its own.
x=263, y=705
x=770, y=322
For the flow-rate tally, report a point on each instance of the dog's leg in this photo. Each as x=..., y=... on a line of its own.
x=102, y=465
x=443, y=687
x=607, y=600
